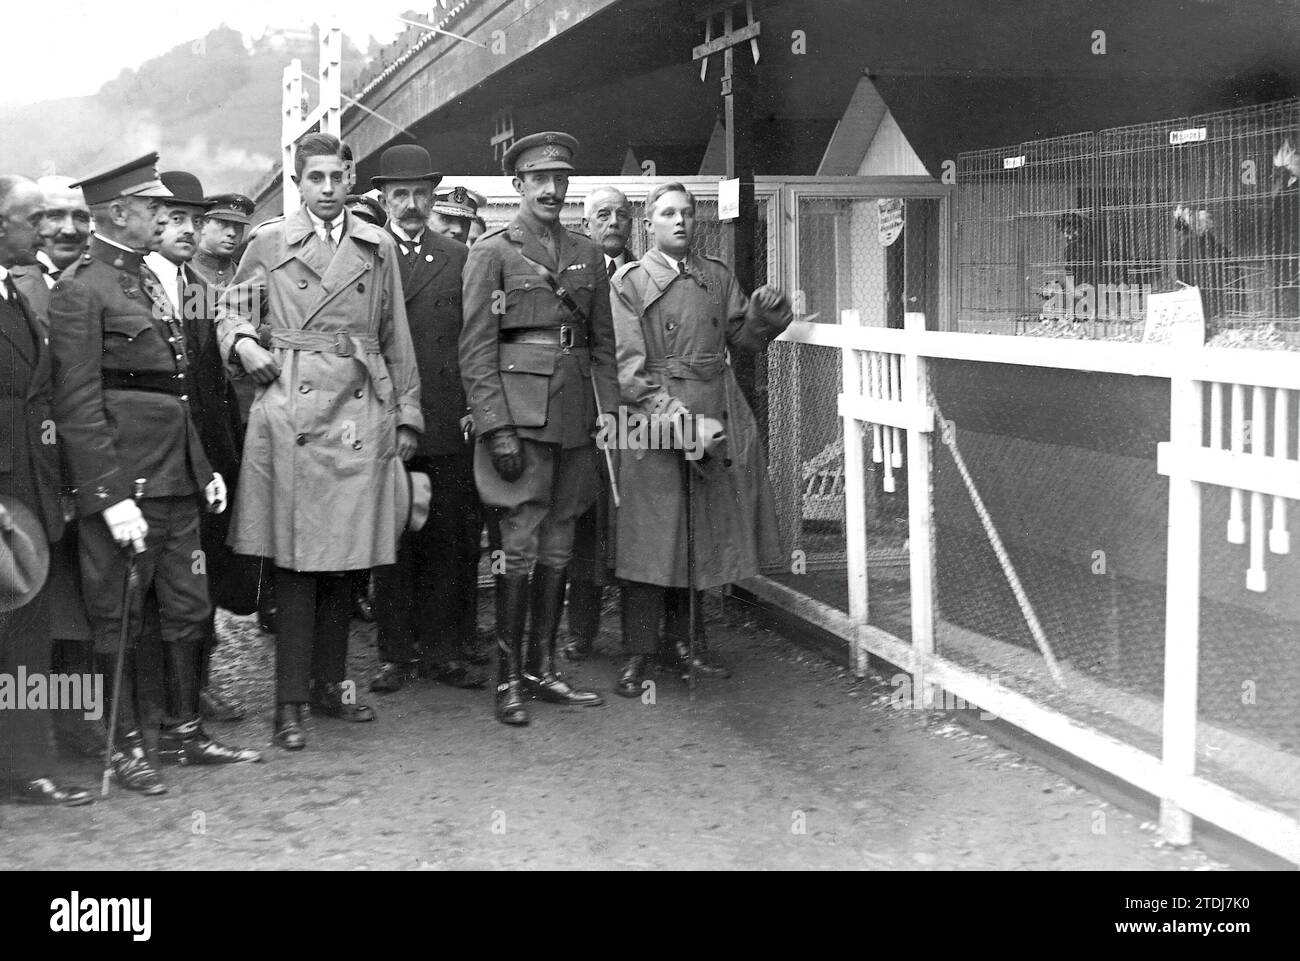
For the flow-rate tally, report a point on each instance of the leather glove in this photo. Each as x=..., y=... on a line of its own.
x=507, y=453
x=127, y=524
x=215, y=494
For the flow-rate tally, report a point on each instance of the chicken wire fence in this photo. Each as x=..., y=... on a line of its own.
x=1076, y=514
x=1069, y=236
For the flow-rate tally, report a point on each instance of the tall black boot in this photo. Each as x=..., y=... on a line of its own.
x=183, y=740
x=131, y=765
x=547, y=684
x=512, y=608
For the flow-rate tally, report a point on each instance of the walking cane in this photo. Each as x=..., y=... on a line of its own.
x=690, y=570
x=128, y=587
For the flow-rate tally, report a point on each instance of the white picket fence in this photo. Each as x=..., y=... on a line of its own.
x=886, y=403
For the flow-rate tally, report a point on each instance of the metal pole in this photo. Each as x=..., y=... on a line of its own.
x=691, y=612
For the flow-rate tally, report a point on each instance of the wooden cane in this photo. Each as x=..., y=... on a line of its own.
x=128, y=586
x=690, y=571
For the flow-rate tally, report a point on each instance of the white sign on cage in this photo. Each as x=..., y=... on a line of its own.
x=891, y=214
x=1177, y=308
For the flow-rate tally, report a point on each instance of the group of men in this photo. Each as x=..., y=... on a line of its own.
x=368, y=384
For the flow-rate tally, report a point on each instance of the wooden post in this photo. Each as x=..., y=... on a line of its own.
x=290, y=129
x=738, y=120
x=1182, y=600
x=920, y=508
x=331, y=80
x=855, y=494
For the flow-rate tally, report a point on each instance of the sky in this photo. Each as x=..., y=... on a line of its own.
x=71, y=47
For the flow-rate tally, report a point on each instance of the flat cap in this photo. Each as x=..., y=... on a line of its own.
x=457, y=202
x=551, y=150
x=234, y=207
x=137, y=178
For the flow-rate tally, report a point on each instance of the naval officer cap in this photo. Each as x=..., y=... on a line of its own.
x=233, y=207
x=457, y=202
x=551, y=150
x=138, y=178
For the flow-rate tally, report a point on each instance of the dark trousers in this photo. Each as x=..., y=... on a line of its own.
x=427, y=602
x=170, y=565
x=647, y=607
x=24, y=734
x=312, y=644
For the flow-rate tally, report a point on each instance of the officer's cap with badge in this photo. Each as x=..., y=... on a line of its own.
x=138, y=178
x=457, y=202
x=539, y=152
x=367, y=208
x=233, y=207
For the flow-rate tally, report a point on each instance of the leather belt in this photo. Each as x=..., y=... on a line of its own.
x=338, y=342
x=565, y=337
x=153, y=382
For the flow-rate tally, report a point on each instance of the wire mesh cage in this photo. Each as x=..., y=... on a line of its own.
x=1070, y=236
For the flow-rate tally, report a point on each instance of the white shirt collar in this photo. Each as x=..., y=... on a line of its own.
x=4, y=273
x=114, y=243
x=166, y=272
x=336, y=225
x=672, y=261
x=403, y=235
x=44, y=258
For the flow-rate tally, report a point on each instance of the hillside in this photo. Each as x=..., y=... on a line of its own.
x=211, y=106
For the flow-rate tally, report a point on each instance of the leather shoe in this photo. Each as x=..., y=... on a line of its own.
x=42, y=790
x=132, y=769
x=188, y=743
x=215, y=707
x=631, y=677
x=454, y=673
x=554, y=688
x=677, y=657
x=392, y=676
x=288, y=727
x=362, y=609
x=511, y=703
x=328, y=699
x=578, y=649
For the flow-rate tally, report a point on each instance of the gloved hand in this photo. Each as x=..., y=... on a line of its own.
x=215, y=494
x=126, y=524
x=507, y=453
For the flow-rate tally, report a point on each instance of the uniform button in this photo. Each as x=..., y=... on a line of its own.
x=356, y=445
x=302, y=439
x=185, y=396
x=361, y=288
x=171, y=340
x=357, y=393
x=303, y=388
x=302, y=285
x=180, y=376
x=670, y=326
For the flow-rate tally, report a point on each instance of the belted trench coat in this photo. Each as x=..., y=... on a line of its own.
x=673, y=333
x=317, y=489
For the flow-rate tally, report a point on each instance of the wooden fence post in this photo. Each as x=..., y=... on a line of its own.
x=920, y=508
x=855, y=499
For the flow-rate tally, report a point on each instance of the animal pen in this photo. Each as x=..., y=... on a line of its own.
x=1084, y=535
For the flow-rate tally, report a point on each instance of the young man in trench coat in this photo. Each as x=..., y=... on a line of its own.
x=337, y=408
x=676, y=316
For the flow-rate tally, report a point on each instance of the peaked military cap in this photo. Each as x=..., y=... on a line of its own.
x=234, y=207
x=367, y=208
x=456, y=202
x=137, y=178
x=551, y=150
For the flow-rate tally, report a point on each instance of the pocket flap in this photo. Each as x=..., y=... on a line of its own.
x=527, y=359
x=128, y=325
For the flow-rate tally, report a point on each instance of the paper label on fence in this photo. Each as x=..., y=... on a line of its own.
x=729, y=199
x=1179, y=309
x=891, y=214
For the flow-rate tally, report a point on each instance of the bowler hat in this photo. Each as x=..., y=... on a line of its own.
x=184, y=189
x=406, y=161
x=24, y=555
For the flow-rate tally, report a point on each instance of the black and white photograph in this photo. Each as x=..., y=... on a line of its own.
x=651, y=435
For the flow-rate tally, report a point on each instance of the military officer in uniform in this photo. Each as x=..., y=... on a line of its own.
x=121, y=406
x=452, y=213
x=536, y=349
x=224, y=225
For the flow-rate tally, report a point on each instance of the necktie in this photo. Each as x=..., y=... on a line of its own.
x=681, y=268
x=329, y=234
x=611, y=268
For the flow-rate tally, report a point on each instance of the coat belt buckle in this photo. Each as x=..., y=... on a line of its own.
x=566, y=338
x=343, y=345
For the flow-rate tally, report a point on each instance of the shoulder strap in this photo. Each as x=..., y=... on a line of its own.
x=565, y=297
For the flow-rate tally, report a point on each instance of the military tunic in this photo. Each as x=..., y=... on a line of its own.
x=121, y=406
x=543, y=390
